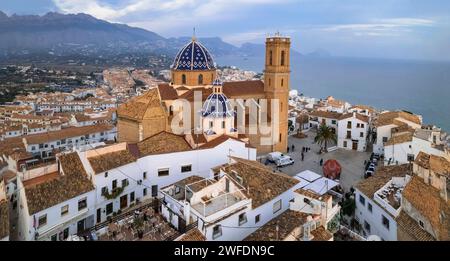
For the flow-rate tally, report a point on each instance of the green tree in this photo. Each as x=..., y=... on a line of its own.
x=325, y=135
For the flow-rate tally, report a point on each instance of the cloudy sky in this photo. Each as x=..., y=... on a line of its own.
x=405, y=29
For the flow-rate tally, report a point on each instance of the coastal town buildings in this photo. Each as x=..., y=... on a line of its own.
x=386, y=124
x=403, y=147
x=352, y=131
x=406, y=202
x=194, y=70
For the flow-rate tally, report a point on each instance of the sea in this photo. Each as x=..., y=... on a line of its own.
x=420, y=87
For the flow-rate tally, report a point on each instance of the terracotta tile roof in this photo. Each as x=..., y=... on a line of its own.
x=308, y=193
x=261, y=182
x=438, y=165
x=400, y=138
x=217, y=141
x=189, y=95
x=241, y=88
x=388, y=118
x=8, y=175
x=326, y=114
x=321, y=234
x=382, y=175
x=167, y=92
x=286, y=222
x=66, y=133
x=193, y=235
x=163, y=142
x=427, y=200
x=412, y=228
x=4, y=219
x=363, y=107
x=146, y=105
x=73, y=183
x=186, y=181
x=357, y=115
x=15, y=148
x=112, y=160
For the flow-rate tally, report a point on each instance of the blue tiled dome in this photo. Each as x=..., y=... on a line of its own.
x=194, y=57
x=217, y=105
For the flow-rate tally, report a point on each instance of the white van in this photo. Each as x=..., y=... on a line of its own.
x=273, y=156
x=284, y=161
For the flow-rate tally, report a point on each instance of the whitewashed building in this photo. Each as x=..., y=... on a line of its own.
x=386, y=123
x=352, y=131
x=57, y=203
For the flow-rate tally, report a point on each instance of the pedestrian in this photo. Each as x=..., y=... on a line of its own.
x=303, y=149
x=293, y=147
x=303, y=156
x=288, y=149
x=321, y=162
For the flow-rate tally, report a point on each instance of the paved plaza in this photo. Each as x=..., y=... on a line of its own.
x=352, y=162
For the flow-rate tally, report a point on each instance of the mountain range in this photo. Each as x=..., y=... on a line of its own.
x=82, y=34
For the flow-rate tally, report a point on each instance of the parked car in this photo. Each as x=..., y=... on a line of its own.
x=284, y=161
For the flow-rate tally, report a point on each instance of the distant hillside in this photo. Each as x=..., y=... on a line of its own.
x=84, y=35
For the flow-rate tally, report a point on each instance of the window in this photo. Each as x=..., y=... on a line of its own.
x=211, y=124
x=144, y=192
x=144, y=175
x=200, y=79
x=385, y=222
x=33, y=148
x=410, y=157
x=183, y=79
x=345, y=144
x=106, y=174
x=349, y=134
x=349, y=125
x=42, y=221
x=125, y=182
x=277, y=206
x=186, y=168
x=217, y=231
x=223, y=124
x=64, y=210
x=132, y=196
x=357, y=125
x=242, y=219
x=282, y=82
x=109, y=208
x=114, y=184
x=54, y=238
x=333, y=121
x=421, y=224
x=163, y=172
x=361, y=134
x=362, y=125
x=82, y=204
x=385, y=139
x=280, y=137
x=367, y=226
x=177, y=190
x=369, y=207
x=257, y=218
x=362, y=200
x=283, y=54
x=104, y=190
x=270, y=58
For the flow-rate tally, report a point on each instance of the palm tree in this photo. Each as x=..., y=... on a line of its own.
x=324, y=135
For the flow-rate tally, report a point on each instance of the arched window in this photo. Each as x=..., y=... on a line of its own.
x=283, y=53
x=270, y=57
x=183, y=79
x=200, y=79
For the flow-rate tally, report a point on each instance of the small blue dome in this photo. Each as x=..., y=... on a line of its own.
x=193, y=57
x=217, y=105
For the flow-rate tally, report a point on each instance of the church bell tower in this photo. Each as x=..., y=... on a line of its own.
x=276, y=84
